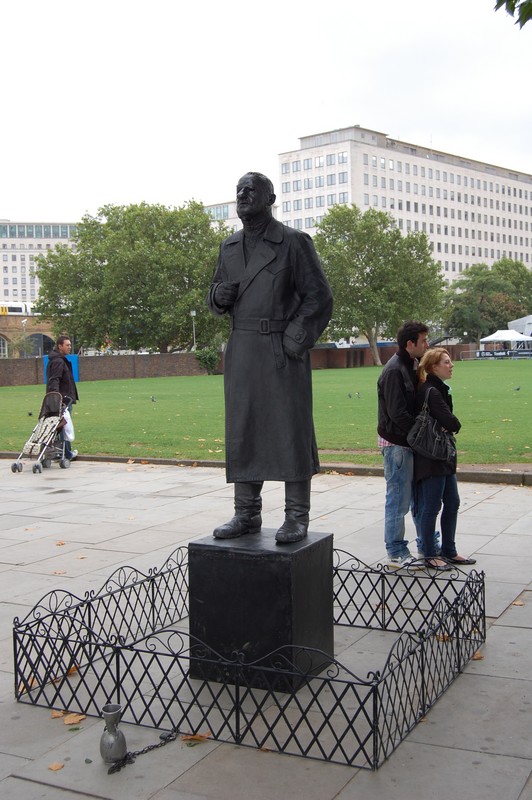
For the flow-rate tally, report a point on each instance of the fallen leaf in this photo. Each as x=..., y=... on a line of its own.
x=443, y=637
x=55, y=766
x=80, y=558
x=478, y=656
x=130, y=461
x=59, y=543
x=73, y=719
x=196, y=737
x=59, y=572
x=57, y=714
x=518, y=603
x=72, y=670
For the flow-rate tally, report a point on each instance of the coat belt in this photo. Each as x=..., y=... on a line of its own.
x=264, y=326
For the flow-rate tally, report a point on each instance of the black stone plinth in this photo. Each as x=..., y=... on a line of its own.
x=253, y=596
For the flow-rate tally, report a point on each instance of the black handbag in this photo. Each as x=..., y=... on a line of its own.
x=427, y=437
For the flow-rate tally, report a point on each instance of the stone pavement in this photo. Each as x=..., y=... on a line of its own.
x=72, y=528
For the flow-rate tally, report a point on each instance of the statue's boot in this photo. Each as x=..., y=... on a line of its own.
x=248, y=507
x=296, y=510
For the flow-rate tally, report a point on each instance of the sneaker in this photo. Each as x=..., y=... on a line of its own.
x=403, y=562
x=73, y=455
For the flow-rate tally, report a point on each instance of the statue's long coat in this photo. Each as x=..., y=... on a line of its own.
x=268, y=396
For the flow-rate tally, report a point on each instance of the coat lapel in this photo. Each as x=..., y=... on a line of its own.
x=263, y=254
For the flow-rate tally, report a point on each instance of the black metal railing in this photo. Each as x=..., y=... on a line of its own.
x=128, y=643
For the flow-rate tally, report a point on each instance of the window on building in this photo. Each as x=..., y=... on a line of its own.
x=342, y=157
x=331, y=180
x=318, y=161
x=296, y=166
x=331, y=199
x=330, y=159
x=342, y=177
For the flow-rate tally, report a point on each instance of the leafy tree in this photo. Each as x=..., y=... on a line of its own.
x=378, y=277
x=484, y=299
x=21, y=346
x=133, y=278
x=522, y=7
x=208, y=358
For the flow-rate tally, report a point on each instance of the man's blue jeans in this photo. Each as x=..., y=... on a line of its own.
x=398, y=473
x=430, y=494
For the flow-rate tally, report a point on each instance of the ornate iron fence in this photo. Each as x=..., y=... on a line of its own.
x=123, y=644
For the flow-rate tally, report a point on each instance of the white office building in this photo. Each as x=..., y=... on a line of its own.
x=20, y=244
x=472, y=212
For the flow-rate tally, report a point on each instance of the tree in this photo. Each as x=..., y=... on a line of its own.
x=133, y=278
x=379, y=278
x=522, y=7
x=483, y=300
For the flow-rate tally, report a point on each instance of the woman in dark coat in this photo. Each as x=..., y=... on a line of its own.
x=435, y=481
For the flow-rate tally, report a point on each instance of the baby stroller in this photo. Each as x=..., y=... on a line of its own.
x=46, y=443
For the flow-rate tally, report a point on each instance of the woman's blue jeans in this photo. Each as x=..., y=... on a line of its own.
x=431, y=494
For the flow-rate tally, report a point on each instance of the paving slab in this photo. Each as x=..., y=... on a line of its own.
x=424, y=772
x=483, y=714
x=232, y=772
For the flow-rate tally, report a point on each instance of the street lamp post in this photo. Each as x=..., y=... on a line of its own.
x=23, y=323
x=193, y=315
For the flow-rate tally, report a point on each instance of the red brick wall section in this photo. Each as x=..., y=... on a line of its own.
x=29, y=371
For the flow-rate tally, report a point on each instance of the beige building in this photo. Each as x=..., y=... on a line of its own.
x=20, y=244
x=472, y=212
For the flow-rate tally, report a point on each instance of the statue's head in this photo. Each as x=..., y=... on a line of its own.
x=254, y=195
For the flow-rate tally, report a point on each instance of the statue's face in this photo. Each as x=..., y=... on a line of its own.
x=252, y=196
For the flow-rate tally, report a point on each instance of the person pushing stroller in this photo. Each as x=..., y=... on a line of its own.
x=60, y=378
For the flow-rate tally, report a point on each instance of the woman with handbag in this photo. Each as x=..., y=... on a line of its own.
x=435, y=480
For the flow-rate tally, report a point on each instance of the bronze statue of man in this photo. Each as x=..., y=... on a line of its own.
x=269, y=279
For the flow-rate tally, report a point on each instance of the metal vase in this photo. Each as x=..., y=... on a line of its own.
x=113, y=742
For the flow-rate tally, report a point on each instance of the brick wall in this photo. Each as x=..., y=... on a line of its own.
x=28, y=371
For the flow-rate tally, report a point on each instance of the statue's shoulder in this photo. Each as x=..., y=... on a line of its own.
x=233, y=238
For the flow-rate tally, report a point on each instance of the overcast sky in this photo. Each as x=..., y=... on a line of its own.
x=121, y=101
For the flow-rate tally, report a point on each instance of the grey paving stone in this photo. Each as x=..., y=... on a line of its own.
x=483, y=714
x=137, y=781
x=518, y=615
x=506, y=654
x=19, y=789
x=231, y=773
x=417, y=771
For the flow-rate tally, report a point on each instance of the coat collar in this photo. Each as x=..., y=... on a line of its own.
x=262, y=255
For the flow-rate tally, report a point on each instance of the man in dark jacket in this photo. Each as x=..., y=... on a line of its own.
x=396, y=391
x=269, y=279
x=60, y=378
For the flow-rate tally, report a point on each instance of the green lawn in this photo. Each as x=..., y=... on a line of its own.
x=186, y=418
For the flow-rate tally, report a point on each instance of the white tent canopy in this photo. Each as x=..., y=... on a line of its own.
x=507, y=336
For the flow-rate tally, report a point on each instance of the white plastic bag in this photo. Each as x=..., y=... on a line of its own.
x=68, y=430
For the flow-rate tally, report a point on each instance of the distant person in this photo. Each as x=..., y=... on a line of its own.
x=269, y=279
x=435, y=482
x=396, y=391
x=60, y=378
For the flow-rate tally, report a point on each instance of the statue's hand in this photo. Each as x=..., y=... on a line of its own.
x=292, y=355
x=225, y=294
